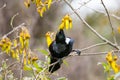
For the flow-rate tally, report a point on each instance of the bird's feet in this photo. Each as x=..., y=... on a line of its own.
x=77, y=51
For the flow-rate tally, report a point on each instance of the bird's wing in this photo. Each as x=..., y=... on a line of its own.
x=59, y=47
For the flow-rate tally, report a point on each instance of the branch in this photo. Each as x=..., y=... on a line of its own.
x=112, y=15
x=95, y=53
x=81, y=5
x=14, y=29
x=115, y=16
x=92, y=46
x=93, y=30
x=12, y=19
x=4, y=5
x=21, y=67
x=85, y=3
x=113, y=32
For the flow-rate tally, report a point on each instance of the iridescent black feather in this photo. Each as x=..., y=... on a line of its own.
x=59, y=48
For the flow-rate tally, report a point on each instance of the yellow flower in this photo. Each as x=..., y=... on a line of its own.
x=39, y=3
x=109, y=57
x=15, y=54
x=24, y=61
x=48, y=38
x=66, y=22
x=114, y=66
x=112, y=62
x=34, y=58
x=27, y=3
x=70, y=22
x=49, y=3
x=24, y=37
x=62, y=25
x=41, y=10
x=115, y=58
x=15, y=43
x=118, y=29
x=6, y=44
x=118, y=66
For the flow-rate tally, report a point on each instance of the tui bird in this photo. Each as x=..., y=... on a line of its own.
x=59, y=48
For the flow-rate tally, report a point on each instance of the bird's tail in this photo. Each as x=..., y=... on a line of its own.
x=55, y=64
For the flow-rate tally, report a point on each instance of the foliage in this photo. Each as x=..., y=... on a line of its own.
x=41, y=6
x=111, y=68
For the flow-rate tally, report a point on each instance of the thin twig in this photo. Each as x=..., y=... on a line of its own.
x=12, y=64
x=41, y=72
x=47, y=67
x=14, y=29
x=21, y=67
x=93, y=30
x=12, y=19
x=6, y=71
x=34, y=73
x=115, y=16
x=96, y=53
x=102, y=12
x=4, y=5
x=113, y=32
x=85, y=3
x=81, y=5
x=92, y=46
x=91, y=54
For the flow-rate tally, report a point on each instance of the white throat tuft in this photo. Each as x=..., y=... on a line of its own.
x=67, y=40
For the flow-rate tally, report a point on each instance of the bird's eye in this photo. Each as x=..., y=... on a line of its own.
x=47, y=33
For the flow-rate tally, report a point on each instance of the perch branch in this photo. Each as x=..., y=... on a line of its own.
x=96, y=53
x=93, y=30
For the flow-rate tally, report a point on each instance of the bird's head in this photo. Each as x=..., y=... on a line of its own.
x=60, y=36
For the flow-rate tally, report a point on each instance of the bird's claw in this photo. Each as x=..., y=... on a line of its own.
x=77, y=51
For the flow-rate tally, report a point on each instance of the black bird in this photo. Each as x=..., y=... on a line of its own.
x=59, y=48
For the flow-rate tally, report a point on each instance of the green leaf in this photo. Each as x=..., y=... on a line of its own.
x=4, y=65
x=45, y=52
x=37, y=67
x=111, y=78
x=1, y=77
x=62, y=78
x=45, y=78
x=106, y=67
x=27, y=68
x=65, y=62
